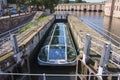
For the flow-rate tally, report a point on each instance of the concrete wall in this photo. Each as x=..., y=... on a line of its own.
x=35, y=40
x=27, y=47
x=9, y=23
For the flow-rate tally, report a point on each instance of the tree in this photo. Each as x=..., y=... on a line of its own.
x=11, y=1
x=83, y=1
x=78, y=1
x=46, y=4
x=37, y=3
x=65, y=1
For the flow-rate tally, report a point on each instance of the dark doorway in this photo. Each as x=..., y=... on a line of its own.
x=72, y=9
x=84, y=9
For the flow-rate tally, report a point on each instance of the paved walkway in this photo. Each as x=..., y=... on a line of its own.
x=80, y=30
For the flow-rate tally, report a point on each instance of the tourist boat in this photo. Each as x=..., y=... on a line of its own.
x=58, y=48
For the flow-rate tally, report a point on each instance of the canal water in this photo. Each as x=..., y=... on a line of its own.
x=108, y=27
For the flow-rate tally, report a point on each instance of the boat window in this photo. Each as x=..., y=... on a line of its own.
x=59, y=33
x=58, y=40
x=47, y=41
x=57, y=53
x=71, y=54
x=43, y=54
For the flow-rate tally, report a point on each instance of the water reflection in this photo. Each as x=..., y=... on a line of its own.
x=78, y=13
x=113, y=26
x=108, y=27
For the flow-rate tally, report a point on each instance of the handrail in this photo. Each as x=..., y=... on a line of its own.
x=90, y=23
x=95, y=46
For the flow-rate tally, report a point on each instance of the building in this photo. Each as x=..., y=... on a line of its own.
x=112, y=8
x=3, y=4
x=95, y=7
x=70, y=1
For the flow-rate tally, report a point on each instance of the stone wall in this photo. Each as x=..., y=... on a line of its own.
x=9, y=23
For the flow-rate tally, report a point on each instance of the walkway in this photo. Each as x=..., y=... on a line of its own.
x=81, y=30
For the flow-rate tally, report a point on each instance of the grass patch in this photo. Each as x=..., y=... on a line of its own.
x=32, y=24
x=26, y=27
x=42, y=19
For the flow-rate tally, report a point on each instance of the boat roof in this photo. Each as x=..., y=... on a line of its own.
x=57, y=44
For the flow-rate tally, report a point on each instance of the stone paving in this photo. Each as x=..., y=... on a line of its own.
x=80, y=30
x=83, y=29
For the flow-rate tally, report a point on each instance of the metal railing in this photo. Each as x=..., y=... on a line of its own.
x=104, y=32
x=45, y=76
x=97, y=47
x=5, y=42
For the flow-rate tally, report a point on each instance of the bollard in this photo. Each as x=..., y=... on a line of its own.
x=87, y=48
x=104, y=59
x=15, y=48
x=44, y=77
x=118, y=76
x=55, y=16
x=87, y=45
x=0, y=70
x=105, y=55
x=14, y=43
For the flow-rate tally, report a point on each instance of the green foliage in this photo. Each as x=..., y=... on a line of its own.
x=65, y=1
x=83, y=1
x=78, y=1
x=37, y=2
x=48, y=4
x=26, y=27
x=32, y=24
x=20, y=1
x=11, y=1
x=26, y=2
x=41, y=19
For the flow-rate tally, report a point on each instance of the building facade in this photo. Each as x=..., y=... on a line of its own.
x=81, y=7
x=3, y=3
x=112, y=8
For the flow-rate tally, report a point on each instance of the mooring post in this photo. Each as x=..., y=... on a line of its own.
x=15, y=47
x=119, y=77
x=67, y=16
x=14, y=43
x=87, y=48
x=44, y=77
x=55, y=16
x=0, y=70
x=104, y=58
x=105, y=55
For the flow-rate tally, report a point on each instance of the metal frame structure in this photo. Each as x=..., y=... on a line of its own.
x=61, y=28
